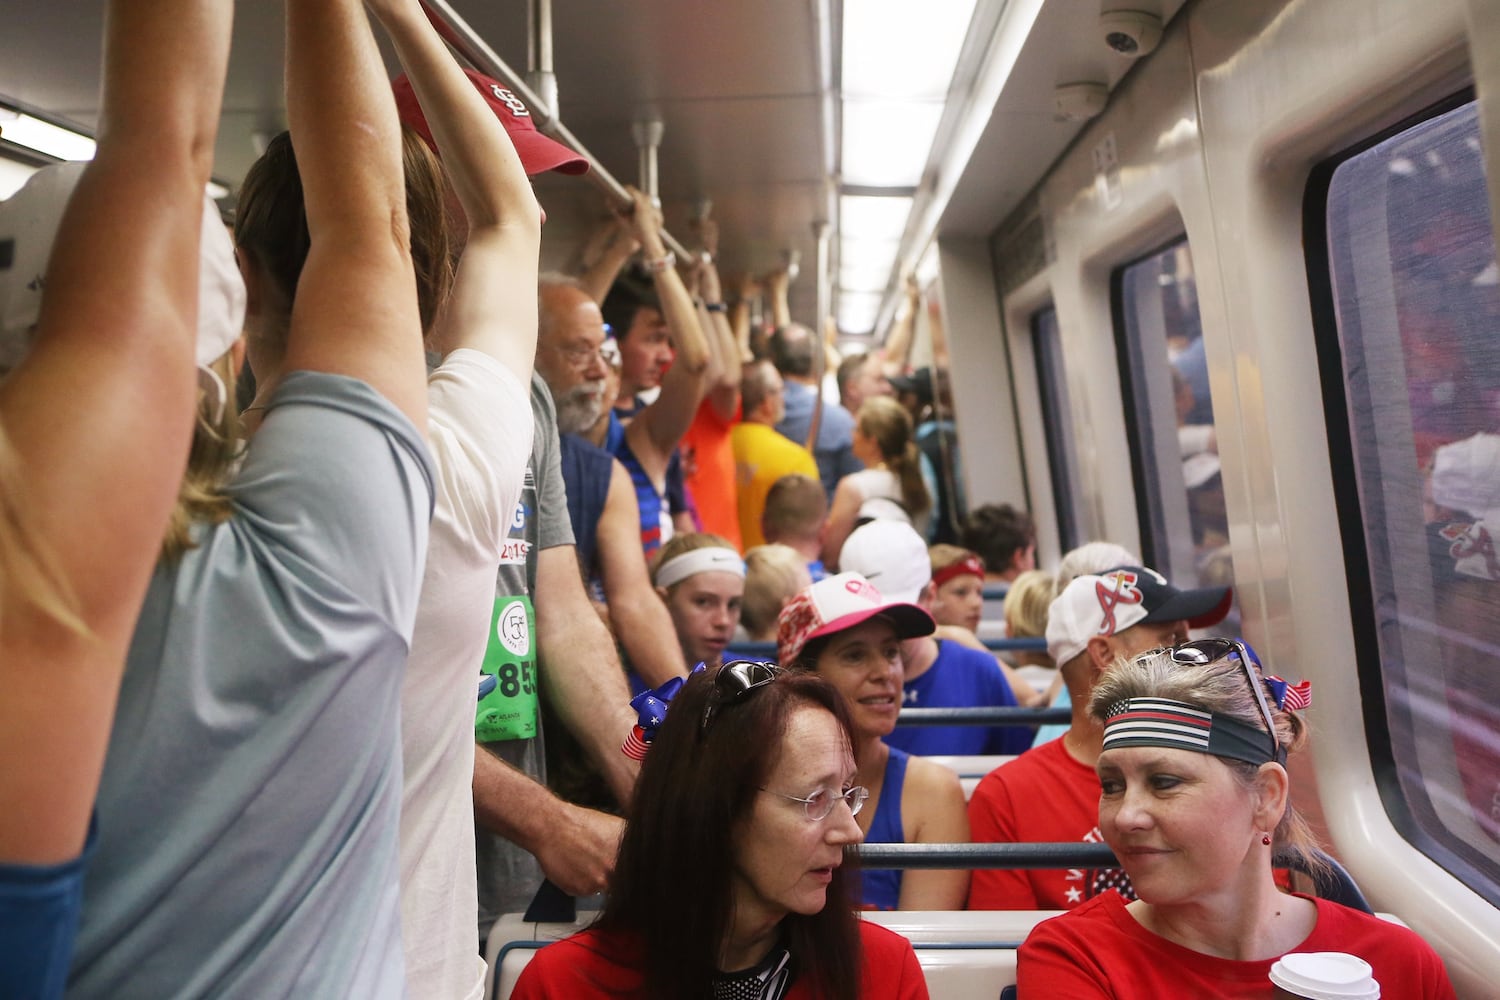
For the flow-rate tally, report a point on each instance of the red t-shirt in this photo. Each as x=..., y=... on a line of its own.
x=708, y=467
x=1043, y=796
x=575, y=968
x=1099, y=950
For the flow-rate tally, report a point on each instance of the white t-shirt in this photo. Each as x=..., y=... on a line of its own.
x=479, y=426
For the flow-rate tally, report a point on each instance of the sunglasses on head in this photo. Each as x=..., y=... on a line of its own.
x=734, y=681
x=1201, y=652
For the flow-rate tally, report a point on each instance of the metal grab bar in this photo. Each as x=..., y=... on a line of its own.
x=477, y=52
x=984, y=715
x=986, y=856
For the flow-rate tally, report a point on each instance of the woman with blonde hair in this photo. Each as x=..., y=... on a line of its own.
x=889, y=487
x=774, y=574
x=87, y=478
x=1195, y=803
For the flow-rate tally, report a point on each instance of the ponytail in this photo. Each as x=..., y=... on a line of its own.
x=887, y=423
x=908, y=470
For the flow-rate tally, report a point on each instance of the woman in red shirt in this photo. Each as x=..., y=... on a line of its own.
x=731, y=878
x=1194, y=803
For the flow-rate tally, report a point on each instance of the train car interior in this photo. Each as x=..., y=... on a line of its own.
x=1215, y=280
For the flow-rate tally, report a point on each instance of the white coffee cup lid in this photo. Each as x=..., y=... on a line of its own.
x=1325, y=975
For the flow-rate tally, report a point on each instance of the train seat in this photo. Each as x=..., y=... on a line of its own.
x=976, y=766
x=970, y=769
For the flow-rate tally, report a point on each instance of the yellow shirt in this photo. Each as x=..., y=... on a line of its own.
x=762, y=456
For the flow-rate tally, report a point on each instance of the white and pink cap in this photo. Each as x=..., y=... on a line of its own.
x=841, y=602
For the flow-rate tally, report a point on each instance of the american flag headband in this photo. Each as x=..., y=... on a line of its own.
x=1161, y=722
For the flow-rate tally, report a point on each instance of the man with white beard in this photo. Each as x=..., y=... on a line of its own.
x=601, y=498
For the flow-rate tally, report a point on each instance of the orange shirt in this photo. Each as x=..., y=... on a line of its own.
x=708, y=467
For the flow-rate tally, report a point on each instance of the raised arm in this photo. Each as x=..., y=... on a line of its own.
x=355, y=311
x=668, y=419
x=610, y=247
x=119, y=319
x=723, y=390
x=492, y=307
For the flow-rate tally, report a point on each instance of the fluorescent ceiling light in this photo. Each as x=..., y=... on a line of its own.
x=893, y=50
x=44, y=137
x=865, y=278
x=885, y=144
x=857, y=311
x=217, y=190
x=868, y=253
x=872, y=216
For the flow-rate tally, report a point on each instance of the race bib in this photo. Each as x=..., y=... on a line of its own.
x=510, y=711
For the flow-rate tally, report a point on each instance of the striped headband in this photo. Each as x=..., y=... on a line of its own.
x=1160, y=722
x=695, y=561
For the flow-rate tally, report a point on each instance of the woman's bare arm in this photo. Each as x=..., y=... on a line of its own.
x=492, y=307
x=356, y=307
x=109, y=387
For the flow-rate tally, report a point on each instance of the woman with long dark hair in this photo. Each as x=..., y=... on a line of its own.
x=731, y=879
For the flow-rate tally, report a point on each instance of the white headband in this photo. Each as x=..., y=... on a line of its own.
x=679, y=568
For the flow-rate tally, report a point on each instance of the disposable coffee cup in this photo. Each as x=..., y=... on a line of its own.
x=1323, y=975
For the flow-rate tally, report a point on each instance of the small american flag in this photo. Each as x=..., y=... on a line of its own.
x=1290, y=697
x=635, y=747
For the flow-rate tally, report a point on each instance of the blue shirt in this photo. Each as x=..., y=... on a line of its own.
x=880, y=888
x=39, y=906
x=834, y=449
x=960, y=678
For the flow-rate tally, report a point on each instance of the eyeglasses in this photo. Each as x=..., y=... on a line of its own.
x=820, y=803
x=581, y=357
x=1201, y=652
x=734, y=681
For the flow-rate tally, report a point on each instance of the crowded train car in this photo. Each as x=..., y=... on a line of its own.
x=986, y=498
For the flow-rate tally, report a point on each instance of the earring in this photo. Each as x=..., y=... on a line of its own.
x=1266, y=839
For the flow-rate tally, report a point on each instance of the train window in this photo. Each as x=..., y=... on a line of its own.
x=1410, y=280
x=1170, y=416
x=1046, y=346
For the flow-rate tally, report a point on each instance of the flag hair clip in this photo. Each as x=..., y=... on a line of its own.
x=1290, y=697
x=651, y=711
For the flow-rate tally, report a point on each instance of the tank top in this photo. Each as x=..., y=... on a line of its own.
x=586, y=471
x=656, y=511
x=880, y=889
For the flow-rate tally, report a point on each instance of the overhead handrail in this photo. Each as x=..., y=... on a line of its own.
x=477, y=52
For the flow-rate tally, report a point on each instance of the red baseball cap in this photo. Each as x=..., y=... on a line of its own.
x=538, y=152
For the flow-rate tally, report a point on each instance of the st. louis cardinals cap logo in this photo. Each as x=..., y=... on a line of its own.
x=1114, y=589
x=510, y=100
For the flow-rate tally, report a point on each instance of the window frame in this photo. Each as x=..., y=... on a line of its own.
x=1144, y=472
x=1408, y=818
x=1052, y=392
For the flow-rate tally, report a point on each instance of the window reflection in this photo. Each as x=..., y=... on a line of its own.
x=1417, y=295
x=1185, y=530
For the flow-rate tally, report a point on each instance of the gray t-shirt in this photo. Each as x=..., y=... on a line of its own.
x=247, y=815
x=509, y=875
